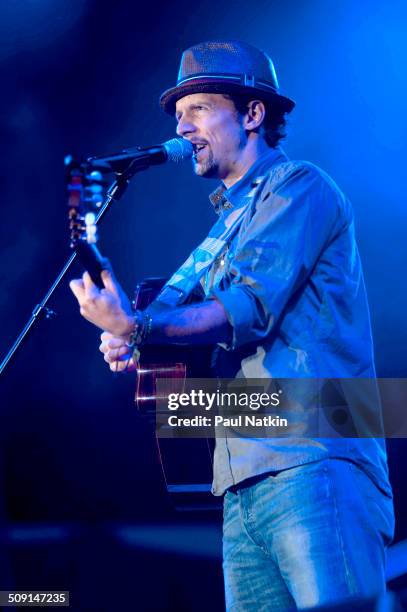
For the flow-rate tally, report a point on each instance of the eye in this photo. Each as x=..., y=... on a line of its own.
x=190, y=110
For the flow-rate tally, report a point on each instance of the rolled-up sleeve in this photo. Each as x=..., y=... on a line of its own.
x=278, y=249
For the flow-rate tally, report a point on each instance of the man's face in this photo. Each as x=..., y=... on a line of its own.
x=211, y=123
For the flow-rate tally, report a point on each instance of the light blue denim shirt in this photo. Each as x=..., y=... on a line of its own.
x=292, y=286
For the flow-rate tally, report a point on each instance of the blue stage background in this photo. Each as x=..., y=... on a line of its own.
x=84, y=78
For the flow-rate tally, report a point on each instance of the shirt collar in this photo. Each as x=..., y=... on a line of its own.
x=223, y=199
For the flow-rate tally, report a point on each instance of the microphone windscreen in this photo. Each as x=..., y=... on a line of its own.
x=178, y=149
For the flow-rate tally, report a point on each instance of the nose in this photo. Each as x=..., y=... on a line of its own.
x=185, y=127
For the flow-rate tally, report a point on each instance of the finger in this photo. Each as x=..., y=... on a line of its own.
x=117, y=366
x=103, y=348
x=106, y=346
x=116, y=342
x=90, y=288
x=123, y=366
x=117, y=354
x=110, y=282
x=120, y=354
x=105, y=336
x=111, y=342
x=78, y=289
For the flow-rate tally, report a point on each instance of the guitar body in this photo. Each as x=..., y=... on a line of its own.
x=187, y=464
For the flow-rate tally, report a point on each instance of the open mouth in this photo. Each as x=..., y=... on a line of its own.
x=198, y=148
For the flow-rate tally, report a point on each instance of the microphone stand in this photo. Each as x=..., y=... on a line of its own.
x=41, y=310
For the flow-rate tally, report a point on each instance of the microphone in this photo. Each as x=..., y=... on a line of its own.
x=174, y=150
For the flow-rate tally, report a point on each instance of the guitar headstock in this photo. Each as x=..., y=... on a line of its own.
x=85, y=197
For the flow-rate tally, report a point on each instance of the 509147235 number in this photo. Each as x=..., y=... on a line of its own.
x=34, y=598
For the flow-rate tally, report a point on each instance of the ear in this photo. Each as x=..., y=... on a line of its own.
x=255, y=115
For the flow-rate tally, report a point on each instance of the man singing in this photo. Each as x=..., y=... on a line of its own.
x=306, y=521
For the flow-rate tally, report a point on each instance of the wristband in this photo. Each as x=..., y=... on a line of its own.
x=142, y=327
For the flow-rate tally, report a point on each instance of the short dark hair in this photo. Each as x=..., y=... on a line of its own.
x=274, y=123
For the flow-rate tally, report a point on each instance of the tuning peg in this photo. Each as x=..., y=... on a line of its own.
x=90, y=219
x=94, y=188
x=91, y=237
x=95, y=176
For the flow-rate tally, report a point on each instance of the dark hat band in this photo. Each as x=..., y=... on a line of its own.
x=246, y=80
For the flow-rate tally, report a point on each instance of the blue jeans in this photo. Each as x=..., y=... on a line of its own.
x=306, y=536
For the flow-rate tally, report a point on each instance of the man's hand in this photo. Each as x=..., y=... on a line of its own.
x=116, y=353
x=108, y=308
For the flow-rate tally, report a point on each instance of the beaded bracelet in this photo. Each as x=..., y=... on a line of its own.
x=142, y=327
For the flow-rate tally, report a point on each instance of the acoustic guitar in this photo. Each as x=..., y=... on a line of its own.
x=186, y=463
